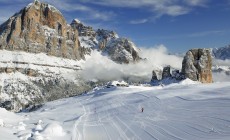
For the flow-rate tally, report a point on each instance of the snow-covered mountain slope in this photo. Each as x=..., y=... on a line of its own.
x=19, y=59
x=30, y=74
x=27, y=79
x=222, y=53
x=180, y=111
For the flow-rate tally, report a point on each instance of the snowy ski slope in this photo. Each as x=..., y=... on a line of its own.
x=184, y=111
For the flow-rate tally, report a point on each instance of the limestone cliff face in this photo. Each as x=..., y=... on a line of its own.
x=197, y=65
x=120, y=50
x=40, y=27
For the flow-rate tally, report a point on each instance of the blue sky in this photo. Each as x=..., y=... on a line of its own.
x=177, y=24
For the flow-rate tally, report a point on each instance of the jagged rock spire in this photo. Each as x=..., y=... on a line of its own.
x=197, y=65
x=36, y=1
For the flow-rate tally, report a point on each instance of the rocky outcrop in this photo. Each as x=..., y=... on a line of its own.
x=154, y=76
x=166, y=72
x=40, y=27
x=120, y=50
x=82, y=29
x=176, y=74
x=197, y=65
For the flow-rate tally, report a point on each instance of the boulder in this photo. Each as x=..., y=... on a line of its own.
x=177, y=75
x=154, y=76
x=197, y=65
x=166, y=72
x=9, y=70
x=31, y=72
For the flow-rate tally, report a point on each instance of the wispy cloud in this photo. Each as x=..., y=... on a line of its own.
x=68, y=6
x=189, y=35
x=196, y=2
x=207, y=33
x=71, y=6
x=139, y=21
x=158, y=8
x=171, y=10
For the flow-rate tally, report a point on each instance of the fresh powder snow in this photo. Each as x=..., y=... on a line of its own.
x=184, y=111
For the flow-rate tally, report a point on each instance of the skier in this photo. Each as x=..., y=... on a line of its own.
x=142, y=109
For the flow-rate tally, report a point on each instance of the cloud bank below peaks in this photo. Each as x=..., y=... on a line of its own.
x=99, y=67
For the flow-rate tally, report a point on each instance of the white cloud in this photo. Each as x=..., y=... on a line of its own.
x=68, y=6
x=172, y=10
x=158, y=8
x=221, y=76
x=220, y=62
x=206, y=33
x=105, y=69
x=139, y=21
x=90, y=12
x=196, y=2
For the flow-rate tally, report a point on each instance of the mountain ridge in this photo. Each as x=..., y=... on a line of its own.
x=40, y=27
x=222, y=53
x=42, y=56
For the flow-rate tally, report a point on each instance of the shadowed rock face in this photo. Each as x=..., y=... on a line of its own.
x=120, y=50
x=154, y=76
x=197, y=65
x=166, y=72
x=40, y=27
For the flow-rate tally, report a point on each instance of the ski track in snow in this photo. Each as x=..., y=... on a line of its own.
x=195, y=112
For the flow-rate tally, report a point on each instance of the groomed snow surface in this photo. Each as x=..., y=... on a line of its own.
x=183, y=111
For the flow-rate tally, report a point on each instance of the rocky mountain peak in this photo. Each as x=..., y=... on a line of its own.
x=120, y=50
x=76, y=21
x=40, y=27
x=197, y=65
x=222, y=53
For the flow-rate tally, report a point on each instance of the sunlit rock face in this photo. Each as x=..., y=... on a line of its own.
x=40, y=27
x=197, y=65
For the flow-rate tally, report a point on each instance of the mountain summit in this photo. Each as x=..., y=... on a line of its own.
x=40, y=27
x=42, y=56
